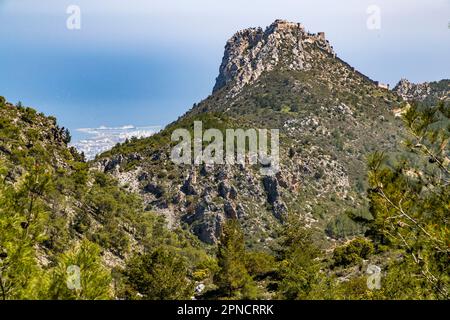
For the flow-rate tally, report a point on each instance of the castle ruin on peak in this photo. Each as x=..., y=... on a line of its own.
x=250, y=52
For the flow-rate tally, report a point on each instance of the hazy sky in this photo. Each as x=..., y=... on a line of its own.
x=145, y=62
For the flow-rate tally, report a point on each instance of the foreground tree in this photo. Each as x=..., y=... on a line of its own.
x=410, y=201
x=79, y=275
x=22, y=218
x=232, y=277
x=300, y=262
x=159, y=275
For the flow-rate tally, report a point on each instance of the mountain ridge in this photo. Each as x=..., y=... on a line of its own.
x=325, y=110
x=428, y=92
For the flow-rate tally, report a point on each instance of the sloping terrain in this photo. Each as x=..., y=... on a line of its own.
x=330, y=116
x=52, y=186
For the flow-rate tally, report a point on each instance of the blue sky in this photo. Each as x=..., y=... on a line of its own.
x=145, y=62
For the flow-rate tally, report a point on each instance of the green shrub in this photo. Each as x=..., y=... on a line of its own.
x=353, y=252
x=342, y=226
x=259, y=264
x=160, y=275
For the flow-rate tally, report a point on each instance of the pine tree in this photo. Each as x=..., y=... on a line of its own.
x=79, y=275
x=22, y=219
x=410, y=201
x=299, y=266
x=159, y=275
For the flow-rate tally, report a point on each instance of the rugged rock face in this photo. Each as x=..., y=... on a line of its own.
x=253, y=51
x=427, y=91
x=410, y=91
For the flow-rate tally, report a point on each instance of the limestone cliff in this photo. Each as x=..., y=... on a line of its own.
x=426, y=92
x=252, y=51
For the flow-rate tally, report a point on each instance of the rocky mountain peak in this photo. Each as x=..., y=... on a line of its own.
x=408, y=90
x=250, y=52
x=423, y=91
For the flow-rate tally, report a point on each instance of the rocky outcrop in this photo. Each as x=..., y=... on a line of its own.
x=271, y=185
x=251, y=52
x=279, y=210
x=229, y=210
x=207, y=221
x=154, y=189
x=412, y=91
x=188, y=186
x=224, y=190
x=108, y=165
